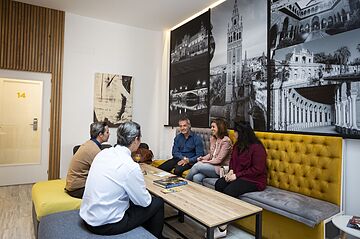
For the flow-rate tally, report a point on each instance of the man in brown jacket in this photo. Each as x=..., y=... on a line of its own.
x=83, y=158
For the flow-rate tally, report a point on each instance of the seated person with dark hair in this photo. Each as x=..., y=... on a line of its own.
x=187, y=148
x=248, y=171
x=143, y=154
x=83, y=158
x=116, y=199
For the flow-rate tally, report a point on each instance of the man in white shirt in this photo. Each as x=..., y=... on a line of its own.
x=116, y=199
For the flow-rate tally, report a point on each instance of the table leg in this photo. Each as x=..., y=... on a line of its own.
x=258, y=229
x=210, y=233
x=181, y=216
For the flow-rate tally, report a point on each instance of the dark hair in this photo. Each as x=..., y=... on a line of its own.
x=96, y=128
x=143, y=146
x=246, y=135
x=222, y=128
x=127, y=132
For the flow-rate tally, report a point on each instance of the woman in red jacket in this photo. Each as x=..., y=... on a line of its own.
x=247, y=167
x=247, y=164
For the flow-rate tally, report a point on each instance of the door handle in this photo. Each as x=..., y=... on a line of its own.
x=35, y=124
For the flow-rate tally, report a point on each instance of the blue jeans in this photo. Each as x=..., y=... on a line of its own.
x=200, y=171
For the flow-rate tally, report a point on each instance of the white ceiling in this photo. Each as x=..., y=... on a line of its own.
x=149, y=14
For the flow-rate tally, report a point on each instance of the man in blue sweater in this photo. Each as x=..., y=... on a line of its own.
x=186, y=149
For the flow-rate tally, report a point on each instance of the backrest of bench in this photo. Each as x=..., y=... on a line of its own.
x=305, y=164
x=204, y=133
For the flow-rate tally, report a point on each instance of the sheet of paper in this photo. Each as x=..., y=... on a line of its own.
x=162, y=174
x=170, y=190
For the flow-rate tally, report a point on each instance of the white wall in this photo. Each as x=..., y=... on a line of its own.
x=352, y=176
x=92, y=46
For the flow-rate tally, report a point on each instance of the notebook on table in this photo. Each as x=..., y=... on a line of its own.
x=170, y=182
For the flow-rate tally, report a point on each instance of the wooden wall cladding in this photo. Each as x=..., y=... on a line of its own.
x=32, y=39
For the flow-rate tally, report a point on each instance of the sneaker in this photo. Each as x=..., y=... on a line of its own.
x=218, y=233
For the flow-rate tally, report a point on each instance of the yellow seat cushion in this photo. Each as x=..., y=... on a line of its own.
x=156, y=163
x=232, y=137
x=50, y=197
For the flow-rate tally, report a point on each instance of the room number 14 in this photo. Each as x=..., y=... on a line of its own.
x=21, y=95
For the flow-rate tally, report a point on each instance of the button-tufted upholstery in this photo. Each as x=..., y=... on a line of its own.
x=204, y=134
x=298, y=165
x=305, y=164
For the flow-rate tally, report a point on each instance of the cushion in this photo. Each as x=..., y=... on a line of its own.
x=210, y=182
x=69, y=225
x=50, y=197
x=307, y=210
x=157, y=162
x=304, y=209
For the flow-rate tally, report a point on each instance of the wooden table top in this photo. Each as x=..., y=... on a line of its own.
x=206, y=205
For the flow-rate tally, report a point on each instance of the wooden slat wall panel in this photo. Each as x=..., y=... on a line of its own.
x=32, y=39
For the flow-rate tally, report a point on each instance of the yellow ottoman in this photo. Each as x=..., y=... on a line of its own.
x=50, y=197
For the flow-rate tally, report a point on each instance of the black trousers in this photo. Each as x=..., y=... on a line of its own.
x=78, y=193
x=170, y=164
x=235, y=188
x=150, y=217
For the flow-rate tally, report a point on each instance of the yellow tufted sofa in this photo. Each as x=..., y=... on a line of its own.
x=303, y=166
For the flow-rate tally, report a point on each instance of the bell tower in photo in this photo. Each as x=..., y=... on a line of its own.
x=234, y=52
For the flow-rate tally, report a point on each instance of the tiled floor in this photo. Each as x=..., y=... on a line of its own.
x=15, y=212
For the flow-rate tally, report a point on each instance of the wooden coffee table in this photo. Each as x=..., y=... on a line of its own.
x=206, y=206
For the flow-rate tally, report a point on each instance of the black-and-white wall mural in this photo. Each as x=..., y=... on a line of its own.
x=189, y=72
x=315, y=85
x=238, y=79
x=309, y=82
x=295, y=22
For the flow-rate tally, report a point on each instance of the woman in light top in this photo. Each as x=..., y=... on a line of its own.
x=208, y=166
x=247, y=167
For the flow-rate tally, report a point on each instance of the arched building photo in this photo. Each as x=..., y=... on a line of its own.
x=295, y=22
x=315, y=86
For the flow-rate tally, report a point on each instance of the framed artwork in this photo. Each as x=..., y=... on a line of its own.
x=189, y=72
x=112, y=98
x=238, y=68
x=315, y=56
